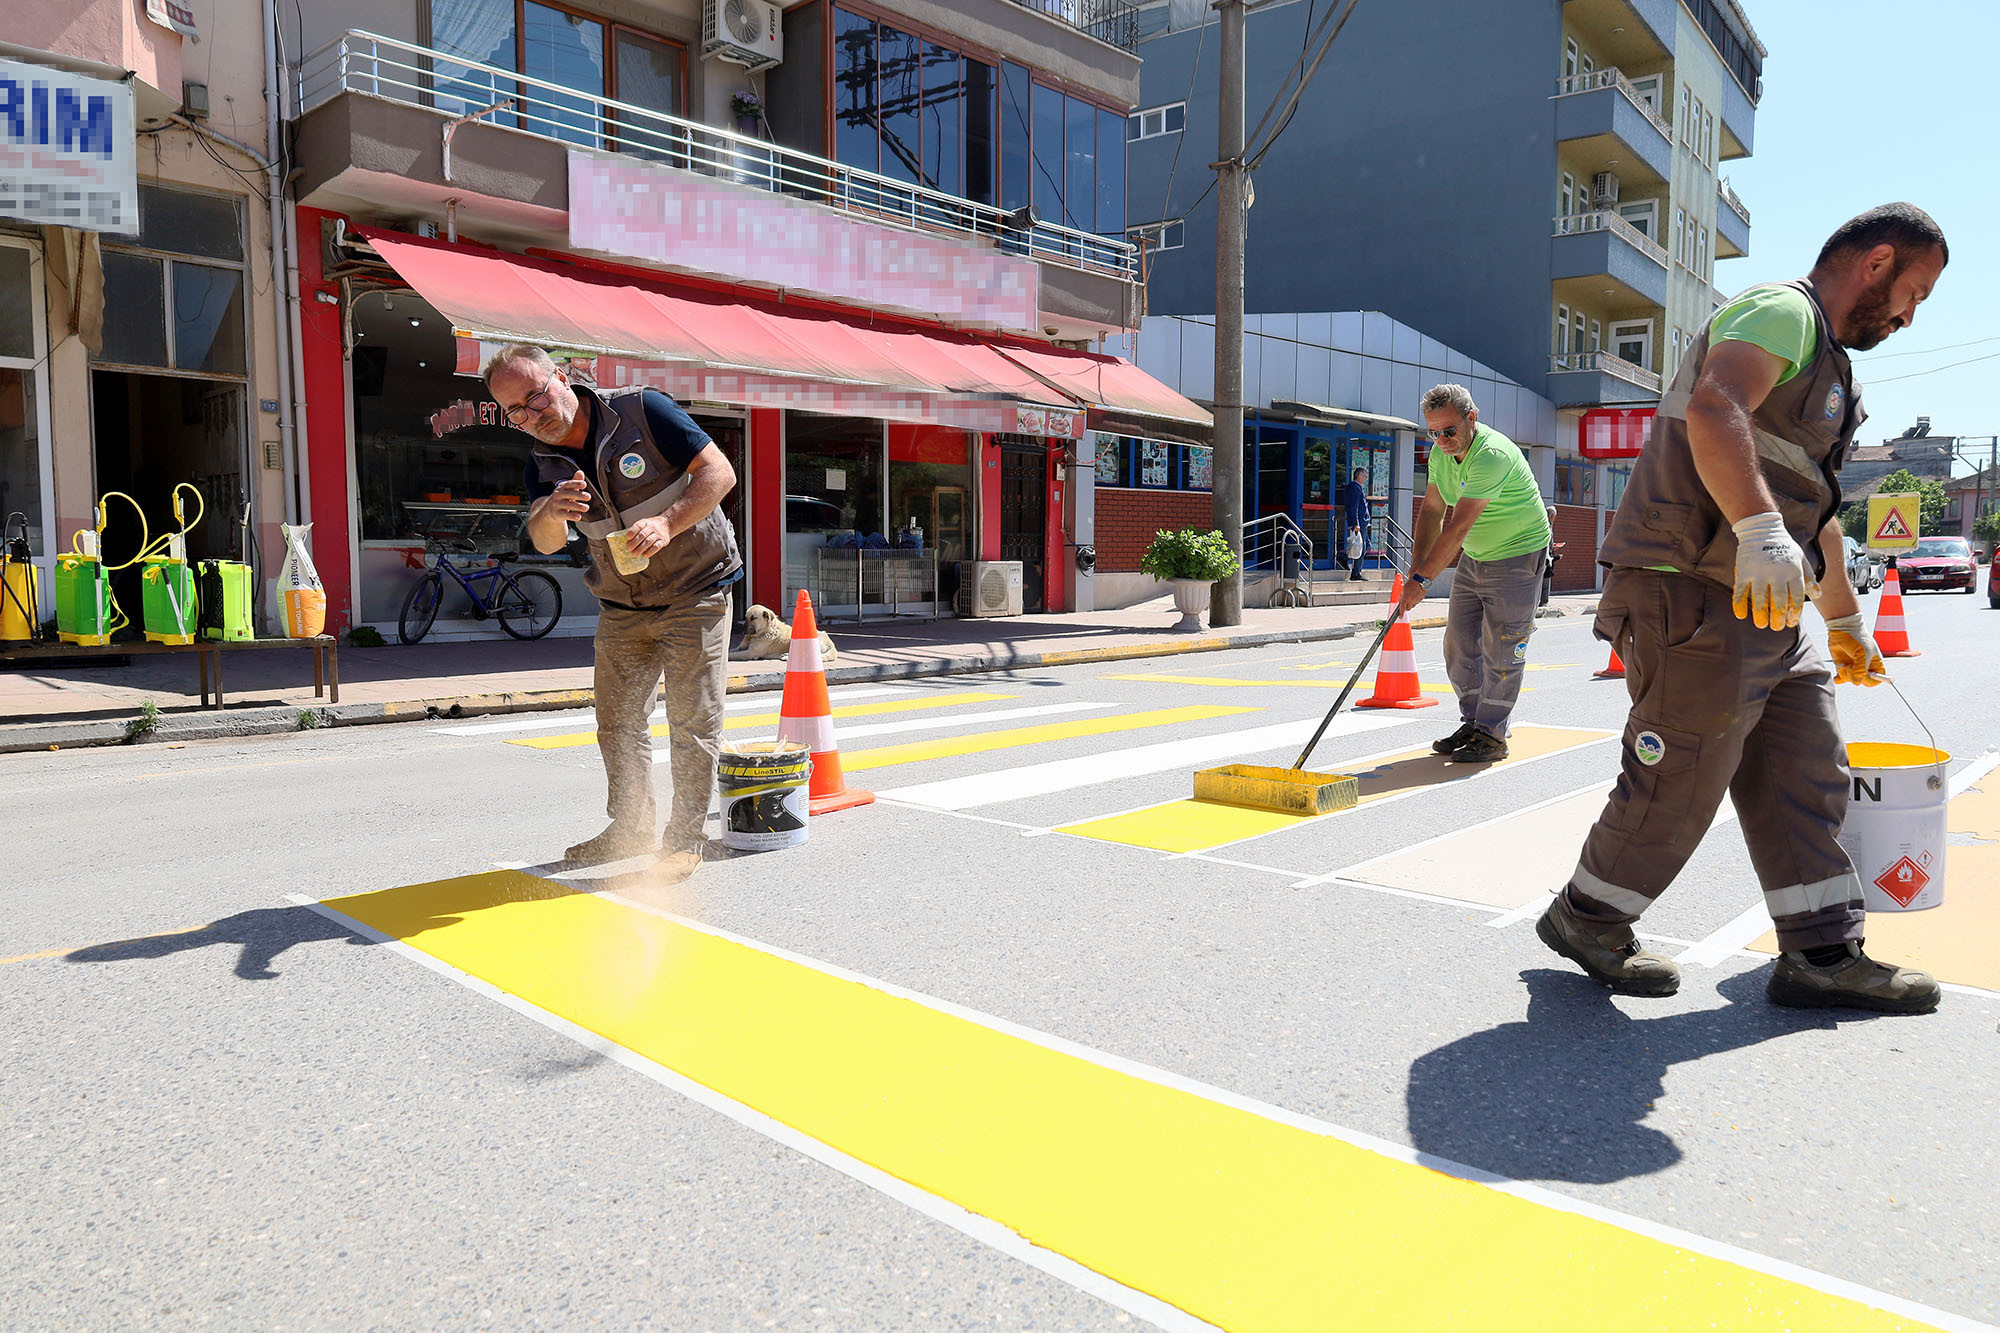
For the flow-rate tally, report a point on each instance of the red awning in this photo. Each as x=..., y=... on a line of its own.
x=725, y=348
x=1613, y=432
x=1121, y=396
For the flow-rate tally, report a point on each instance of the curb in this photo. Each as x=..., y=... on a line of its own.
x=32, y=736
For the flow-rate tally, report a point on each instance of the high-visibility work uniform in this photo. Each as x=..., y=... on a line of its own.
x=1719, y=705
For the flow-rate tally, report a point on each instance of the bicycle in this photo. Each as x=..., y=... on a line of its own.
x=527, y=604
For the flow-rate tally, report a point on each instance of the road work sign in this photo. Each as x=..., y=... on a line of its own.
x=1892, y=522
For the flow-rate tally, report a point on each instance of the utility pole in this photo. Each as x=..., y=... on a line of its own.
x=1226, y=499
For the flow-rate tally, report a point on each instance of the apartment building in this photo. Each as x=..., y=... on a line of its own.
x=1539, y=186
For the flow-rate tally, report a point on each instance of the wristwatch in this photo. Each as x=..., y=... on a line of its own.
x=1420, y=580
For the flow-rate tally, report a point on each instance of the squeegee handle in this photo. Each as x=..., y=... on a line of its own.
x=1352, y=681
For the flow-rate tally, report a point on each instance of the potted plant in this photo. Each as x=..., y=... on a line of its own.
x=748, y=108
x=1191, y=561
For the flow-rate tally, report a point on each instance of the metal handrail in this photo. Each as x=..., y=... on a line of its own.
x=1561, y=362
x=1265, y=542
x=1729, y=197
x=1582, y=224
x=1612, y=77
x=397, y=71
x=1112, y=21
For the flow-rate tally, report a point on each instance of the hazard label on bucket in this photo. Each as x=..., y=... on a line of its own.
x=1903, y=881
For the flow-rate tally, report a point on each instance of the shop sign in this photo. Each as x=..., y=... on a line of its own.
x=462, y=414
x=1613, y=432
x=68, y=155
x=172, y=14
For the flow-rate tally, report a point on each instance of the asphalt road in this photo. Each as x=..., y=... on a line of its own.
x=224, y=1108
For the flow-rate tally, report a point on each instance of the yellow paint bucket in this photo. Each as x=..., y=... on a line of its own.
x=1895, y=827
x=763, y=788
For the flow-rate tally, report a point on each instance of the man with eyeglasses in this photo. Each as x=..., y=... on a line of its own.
x=631, y=470
x=1499, y=533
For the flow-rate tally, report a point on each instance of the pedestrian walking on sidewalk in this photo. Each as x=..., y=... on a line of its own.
x=1500, y=536
x=631, y=465
x=1725, y=530
x=1354, y=499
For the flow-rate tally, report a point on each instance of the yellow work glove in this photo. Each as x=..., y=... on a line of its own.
x=1856, y=659
x=1773, y=581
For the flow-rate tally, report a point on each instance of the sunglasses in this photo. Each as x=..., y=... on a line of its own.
x=1448, y=433
x=536, y=403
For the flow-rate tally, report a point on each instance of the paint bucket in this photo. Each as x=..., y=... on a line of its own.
x=763, y=787
x=1895, y=829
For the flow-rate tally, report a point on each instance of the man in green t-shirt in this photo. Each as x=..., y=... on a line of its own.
x=1499, y=533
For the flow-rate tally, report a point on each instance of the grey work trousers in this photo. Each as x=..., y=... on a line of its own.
x=1492, y=613
x=1719, y=705
x=688, y=645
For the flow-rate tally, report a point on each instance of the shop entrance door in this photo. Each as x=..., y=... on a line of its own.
x=729, y=436
x=1024, y=517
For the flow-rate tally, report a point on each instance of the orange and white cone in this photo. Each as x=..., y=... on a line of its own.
x=805, y=716
x=1890, y=635
x=1613, y=670
x=1396, y=684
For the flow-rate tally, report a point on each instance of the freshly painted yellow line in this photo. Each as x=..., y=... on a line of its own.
x=1194, y=826
x=1228, y=682
x=743, y=720
x=1013, y=737
x=1238, y=1218
x=1955, y=940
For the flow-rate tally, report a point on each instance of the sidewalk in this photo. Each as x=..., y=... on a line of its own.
x=45, y=705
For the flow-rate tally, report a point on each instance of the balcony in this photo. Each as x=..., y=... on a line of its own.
x=1732, y=224
x=1601, y=118
x=1583, y=379
x=373, y=140
x=1625, y=32
x=1113, y=21
x=1599, y=260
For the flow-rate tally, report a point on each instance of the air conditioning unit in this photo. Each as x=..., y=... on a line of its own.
x=750, y=33
x=1604, y=188
x=989, y=588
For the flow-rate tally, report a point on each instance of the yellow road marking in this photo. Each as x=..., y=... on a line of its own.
x=1193, y=826
x=1011, y=738
x=742, y=721
x=1954, y=940
x=1236, y=1216
x=57, y=953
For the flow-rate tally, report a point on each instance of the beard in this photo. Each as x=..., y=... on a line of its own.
x=1869, y=322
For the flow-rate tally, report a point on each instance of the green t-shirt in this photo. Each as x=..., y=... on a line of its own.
x=1514, y=521
x=1777, y=319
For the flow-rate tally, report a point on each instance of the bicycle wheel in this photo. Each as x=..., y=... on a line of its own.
x=529, y=605
x=420, y=608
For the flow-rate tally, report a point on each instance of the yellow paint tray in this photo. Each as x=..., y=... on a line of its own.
x=1291, y=791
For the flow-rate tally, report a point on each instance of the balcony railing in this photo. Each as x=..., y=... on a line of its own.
x=1580, y=224
x=1605, y=363
x=1614, y=78
x=1113, y=21
x=397, y=71
x=1729, y=197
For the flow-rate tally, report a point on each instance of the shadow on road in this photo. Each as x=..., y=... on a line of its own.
x=1563, y=1094
x=263, y=933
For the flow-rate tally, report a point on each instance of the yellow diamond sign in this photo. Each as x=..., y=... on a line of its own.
x=1892, y=522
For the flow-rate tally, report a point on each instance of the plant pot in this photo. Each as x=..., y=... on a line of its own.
x=1190, y=599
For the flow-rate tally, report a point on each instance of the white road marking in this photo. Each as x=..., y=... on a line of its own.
x=940, y=722
x=1010, y=784
x=758, y=702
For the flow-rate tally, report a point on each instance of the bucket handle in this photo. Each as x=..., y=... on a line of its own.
x=1936, y=780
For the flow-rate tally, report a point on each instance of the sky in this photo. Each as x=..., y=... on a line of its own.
x=1867, y=102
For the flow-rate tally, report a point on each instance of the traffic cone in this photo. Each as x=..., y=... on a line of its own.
x=1396, y=683
x=1613, y=670
x=806, y=716
x=1890, y=636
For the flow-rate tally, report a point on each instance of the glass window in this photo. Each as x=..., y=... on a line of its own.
x=981, y=108
x=208, y=319
x=1110, y=458
x=1152, y=463
x=901, y=105
x=478, y=31
x=930, y=478
x=857, y=140
x=1200, y=467
x=567, y=49
x=944, y=119
x=1176, y=118
x=20, y=446
x=189, y=224
x=17, y=314
x=649, y=72
x=1048, y=147
x=135, y=310
x=1016, y=137
x=1079, y=165
x=1110, y=175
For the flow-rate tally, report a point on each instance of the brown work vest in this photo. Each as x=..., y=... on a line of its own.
x=632, y=479
x=1804, y=426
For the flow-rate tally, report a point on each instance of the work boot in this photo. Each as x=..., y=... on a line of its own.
x=1480, y=748
x=1611, y=955
x=616, y=843
x=1446, y=744
x=1856, y=982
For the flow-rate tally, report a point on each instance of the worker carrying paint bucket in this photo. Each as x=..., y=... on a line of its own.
x=1725, y=530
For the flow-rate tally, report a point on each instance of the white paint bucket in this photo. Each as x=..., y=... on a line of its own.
x=763, y=786
x=1895, y=829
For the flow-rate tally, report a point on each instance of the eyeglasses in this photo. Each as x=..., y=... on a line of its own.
x=1448, y=433
x=537, y=402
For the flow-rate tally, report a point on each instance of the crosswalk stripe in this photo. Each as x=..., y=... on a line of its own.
x=1215, y=1204
x=854, y=761
x=1195, y=826
x=1055, y=775
x=547, y=723
x=937, y=723
x=766, y=719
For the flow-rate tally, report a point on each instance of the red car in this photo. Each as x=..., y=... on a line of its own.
x=1938, y=562
x=1993, y=579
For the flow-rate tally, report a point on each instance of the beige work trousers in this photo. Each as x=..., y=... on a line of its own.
x=1720, y=705
x=688, y=646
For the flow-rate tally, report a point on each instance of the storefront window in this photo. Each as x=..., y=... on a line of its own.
x=160, y=310
x=1125, y=461
x=930, y=486
x=20, y=434
x=17, y=308
x=833, y=490
x=208, y=319
x=135, y=310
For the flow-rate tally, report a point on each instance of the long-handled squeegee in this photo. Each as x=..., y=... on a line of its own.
x=1291, y=791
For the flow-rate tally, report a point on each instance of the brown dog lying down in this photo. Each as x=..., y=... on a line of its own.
x=767, y=636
